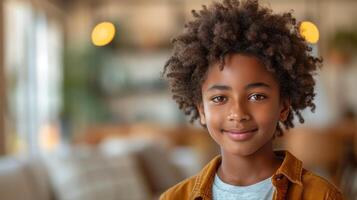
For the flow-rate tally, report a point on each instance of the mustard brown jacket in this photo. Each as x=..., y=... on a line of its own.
x=291, y=182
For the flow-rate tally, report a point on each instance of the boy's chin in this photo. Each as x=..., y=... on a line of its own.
x=248, y=149
x=242, y=151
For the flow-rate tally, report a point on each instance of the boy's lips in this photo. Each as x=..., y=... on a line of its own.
x=240, y=134
x=240, y=131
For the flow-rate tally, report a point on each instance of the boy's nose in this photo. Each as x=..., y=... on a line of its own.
x=236, y=117
x=238, y=114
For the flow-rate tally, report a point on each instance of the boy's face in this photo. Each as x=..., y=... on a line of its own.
x=241, y=105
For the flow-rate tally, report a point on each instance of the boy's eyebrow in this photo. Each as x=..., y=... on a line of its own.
x=219, y=87
x=257, y=84
x=247, y=87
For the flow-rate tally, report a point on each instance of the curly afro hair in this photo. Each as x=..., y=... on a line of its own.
x=248, y=28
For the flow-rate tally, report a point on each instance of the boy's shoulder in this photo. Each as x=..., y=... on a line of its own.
x=182, y=190
x=195, y=186
x=302, y=182
x=319, y=186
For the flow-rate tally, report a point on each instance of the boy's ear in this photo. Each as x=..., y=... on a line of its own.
x=285, y=109
x=201, y=113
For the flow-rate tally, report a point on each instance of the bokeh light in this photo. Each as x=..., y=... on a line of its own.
x=103, y=33
x=309, y=31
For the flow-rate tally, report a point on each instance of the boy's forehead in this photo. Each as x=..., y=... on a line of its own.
x=239, y=69
x=240, y=65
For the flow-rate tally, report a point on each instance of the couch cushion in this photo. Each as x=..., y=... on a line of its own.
x=159, y=171
x=86, y=173
x=37, y=173
x=153, y=158
x=14, y=181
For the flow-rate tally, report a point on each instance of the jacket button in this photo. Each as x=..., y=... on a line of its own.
x=279, y=177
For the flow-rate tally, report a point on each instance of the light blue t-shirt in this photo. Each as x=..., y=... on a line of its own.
x=262, y=190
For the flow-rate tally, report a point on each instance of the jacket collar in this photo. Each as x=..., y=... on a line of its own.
x=291, y=168
x=204, y=180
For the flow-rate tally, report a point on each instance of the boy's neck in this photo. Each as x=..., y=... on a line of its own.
x=247, y=170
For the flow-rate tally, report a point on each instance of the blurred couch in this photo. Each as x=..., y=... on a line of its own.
x=109, y=163
x=138, y=171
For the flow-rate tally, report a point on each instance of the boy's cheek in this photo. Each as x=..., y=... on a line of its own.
x=212, y=112
x=214, y=120
x=268, y=120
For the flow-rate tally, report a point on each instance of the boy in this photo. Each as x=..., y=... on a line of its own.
x=243, y=72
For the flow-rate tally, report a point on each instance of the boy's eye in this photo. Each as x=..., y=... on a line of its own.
x=257, y=97
x=218, y=99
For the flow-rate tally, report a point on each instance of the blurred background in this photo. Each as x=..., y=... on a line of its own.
x=86, y=115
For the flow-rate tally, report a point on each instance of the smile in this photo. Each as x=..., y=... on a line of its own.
x=240, y=135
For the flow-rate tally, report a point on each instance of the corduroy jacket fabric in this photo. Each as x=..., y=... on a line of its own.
x=291, y=182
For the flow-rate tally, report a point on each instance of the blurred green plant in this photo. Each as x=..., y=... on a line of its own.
x=344, y=40
x=342, y=46
x=83, y=99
